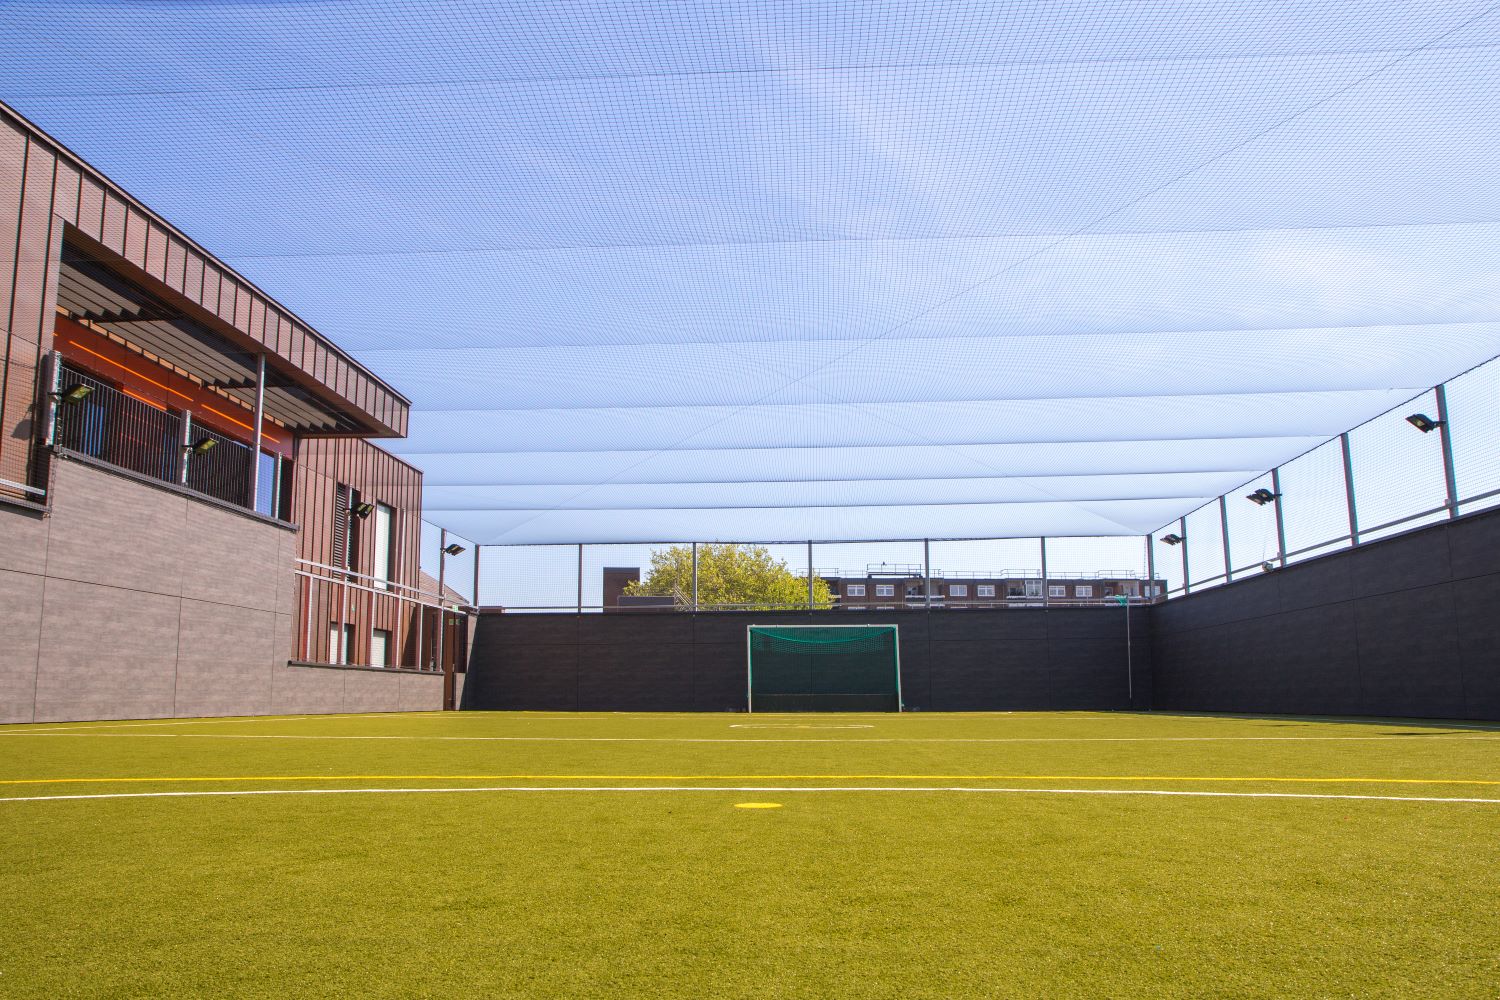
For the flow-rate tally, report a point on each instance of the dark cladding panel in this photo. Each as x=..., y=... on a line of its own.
x=981, y=676
x=1408, y=655
x=1477, y=626
x=720, y=681
x=615, y=678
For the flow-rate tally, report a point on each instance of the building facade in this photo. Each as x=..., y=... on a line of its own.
x=194, y=519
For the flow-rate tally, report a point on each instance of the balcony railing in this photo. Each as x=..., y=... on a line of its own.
x=131, y=433
x=353, y=619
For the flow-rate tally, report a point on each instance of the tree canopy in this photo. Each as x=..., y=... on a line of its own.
x=737, y=576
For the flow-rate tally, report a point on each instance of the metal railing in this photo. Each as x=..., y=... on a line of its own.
x=94, y=419
x=355, y=619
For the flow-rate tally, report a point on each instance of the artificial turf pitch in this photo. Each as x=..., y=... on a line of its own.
x=635, y=874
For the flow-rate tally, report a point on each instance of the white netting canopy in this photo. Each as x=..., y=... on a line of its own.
x=829, y=270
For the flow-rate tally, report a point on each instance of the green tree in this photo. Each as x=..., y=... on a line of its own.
x=740, y=576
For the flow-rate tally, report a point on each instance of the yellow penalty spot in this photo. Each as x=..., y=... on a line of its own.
x=757, y=805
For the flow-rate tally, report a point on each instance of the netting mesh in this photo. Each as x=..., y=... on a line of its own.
x=837, y=269
x=827, y=668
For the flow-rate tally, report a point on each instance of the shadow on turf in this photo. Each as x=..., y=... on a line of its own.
x=1448, y=725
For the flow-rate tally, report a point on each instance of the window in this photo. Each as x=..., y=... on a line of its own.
x=1084, y=590
x=1056, y=591
x=385, y=546
x=338, y=652
x=958, y=590
x=855, y=590
x=885, y=590
x=1033, y=588
x=985, y=590
x=380, y=648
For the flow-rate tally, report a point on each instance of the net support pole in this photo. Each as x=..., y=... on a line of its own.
x=1450, y=480
x=809, y=576
x=477, y=549
x=927, y=571
x=1046, y=590
x=1349, y=489
x=1187, y=583
x=695, y=578
x=1280, y=520
x=1224, y=532
x=441, y=624
x=260, y=418
x=1151, y=569
x=1129, y=666
x=580, y=579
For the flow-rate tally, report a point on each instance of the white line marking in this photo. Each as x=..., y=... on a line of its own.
x=771, y=739
x=64, y=727
x=750, y=788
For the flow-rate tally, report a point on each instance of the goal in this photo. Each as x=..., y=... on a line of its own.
x=823, y=668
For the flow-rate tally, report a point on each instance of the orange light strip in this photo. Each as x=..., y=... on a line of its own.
x=111, y=361
x=149, y=402
x=240, y=423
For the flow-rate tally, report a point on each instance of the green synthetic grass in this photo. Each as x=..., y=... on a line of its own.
x=680, y=894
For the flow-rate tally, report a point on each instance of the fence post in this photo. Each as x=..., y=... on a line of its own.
x=1046, y=590
x=927, y=571
x=184, y=453
x=1349, y=490
x=580, y=578
x=1150, y=593
x=442, y=625
x=1280, y=520
x=695, y=578
x=477, y=549
x=809, y=576
x=1187, y=583
x=1450, y=480
x=260, y=418
x=1224, y=534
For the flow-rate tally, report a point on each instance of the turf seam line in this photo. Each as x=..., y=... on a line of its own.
x=760, y=788
x=1296, y=779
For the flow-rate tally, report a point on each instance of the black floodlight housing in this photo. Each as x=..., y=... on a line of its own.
x=1171, y=539
x=453, y=548
x=1268, y=567
x=1423, y=422
x=203, y=447
x=75, y=393
x=1262, y=497
x=362, y=510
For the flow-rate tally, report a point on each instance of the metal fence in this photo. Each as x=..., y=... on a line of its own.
x=97, y=420
x=355, y=619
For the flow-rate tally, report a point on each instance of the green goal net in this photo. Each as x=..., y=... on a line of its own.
x=824, y=668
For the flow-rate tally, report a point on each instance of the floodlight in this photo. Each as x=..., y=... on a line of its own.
x=453, y=549
x=1423, y=422
x=203, y=446
x=1268, y=567
x=1261, y=497
x=1171, y=539
x=362, y=510
x=75, y=393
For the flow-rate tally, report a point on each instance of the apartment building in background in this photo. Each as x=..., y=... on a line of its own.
x=195, y=518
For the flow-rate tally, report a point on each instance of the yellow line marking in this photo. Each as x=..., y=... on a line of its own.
x=759, y=777
x=757, y=805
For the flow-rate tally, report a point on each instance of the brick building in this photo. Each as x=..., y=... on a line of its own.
x=194, y=519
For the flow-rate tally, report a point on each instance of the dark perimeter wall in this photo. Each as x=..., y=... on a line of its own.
x=979, y=660
x=1406, y=626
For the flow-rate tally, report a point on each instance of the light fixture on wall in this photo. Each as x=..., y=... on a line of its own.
x=203, y=447
x=362, y=510
x=1261, y=497
x=453, y=549
x=1171, y=539
x=1423, y=422
x=75, y=393
x=1268, y=567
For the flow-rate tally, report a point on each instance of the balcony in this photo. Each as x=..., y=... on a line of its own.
x=97, y=421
